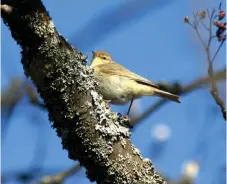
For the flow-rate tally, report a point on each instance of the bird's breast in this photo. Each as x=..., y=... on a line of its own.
x=114, y=88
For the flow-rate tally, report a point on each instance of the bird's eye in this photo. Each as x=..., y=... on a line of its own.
x=104, y=57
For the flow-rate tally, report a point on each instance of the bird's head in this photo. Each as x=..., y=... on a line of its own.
x=101, y=57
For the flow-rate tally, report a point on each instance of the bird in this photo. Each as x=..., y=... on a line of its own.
x=119, y=85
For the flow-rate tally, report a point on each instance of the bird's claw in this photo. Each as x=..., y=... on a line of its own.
x=107, y=105
x=125, y=120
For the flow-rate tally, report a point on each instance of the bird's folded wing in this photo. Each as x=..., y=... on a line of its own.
x=116, y=69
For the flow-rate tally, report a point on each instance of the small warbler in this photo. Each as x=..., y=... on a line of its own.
x=119, y=86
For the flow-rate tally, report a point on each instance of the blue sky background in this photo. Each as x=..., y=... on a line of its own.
x=151, y=39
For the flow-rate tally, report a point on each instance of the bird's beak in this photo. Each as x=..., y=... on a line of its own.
x=94, y=54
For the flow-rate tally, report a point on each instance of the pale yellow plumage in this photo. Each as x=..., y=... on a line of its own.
x=120, y=85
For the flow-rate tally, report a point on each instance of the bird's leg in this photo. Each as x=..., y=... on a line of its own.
x=107, y=103
x=130, y=107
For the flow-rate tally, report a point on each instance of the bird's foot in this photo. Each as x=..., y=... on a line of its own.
x=107, y=104
x=125, y=120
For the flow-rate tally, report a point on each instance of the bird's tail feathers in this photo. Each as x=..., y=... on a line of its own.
x=167, y=95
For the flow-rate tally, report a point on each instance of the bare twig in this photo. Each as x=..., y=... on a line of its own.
x=17, y=89
x=220, y=75
x=204, y=25
x=33, y=97
x=210, y=59
x=200, y=38
x=214, y=88
x=60, y=177
x=11, y=96
x=216, y=53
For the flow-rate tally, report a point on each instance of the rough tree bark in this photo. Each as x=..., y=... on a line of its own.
x=89, y=131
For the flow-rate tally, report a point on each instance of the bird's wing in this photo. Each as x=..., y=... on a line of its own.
x=116, y=69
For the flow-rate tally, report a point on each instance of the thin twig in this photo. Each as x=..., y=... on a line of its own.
x=214, y=89
x=210, y=32
x=204, y=25
x=200, y=37
x=60, y=177
x=148, y=112
x=216, y=53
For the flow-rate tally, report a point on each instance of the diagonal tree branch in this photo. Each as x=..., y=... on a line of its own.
x=180, y=90
x=16, y=90
x=90, y=132
x=114, y=18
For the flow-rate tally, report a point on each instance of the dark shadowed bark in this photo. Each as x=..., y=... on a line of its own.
x=90, y=132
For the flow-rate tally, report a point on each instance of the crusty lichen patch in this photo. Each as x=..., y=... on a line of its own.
x=108, y=123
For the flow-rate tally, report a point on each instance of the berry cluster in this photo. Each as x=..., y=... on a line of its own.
x=221, y=31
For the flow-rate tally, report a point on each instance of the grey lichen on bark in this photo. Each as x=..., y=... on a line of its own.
x=90, y=132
